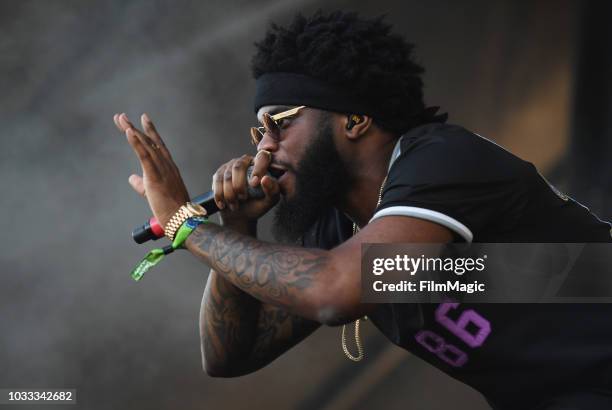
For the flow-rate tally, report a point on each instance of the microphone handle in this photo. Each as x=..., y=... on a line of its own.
x=207, y=200
x=153, y=231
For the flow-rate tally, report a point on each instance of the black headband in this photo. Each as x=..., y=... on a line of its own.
x=299, y=89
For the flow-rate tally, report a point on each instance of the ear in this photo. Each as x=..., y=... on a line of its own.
x=356, y=125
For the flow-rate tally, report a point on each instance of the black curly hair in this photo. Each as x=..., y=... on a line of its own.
x=348, y=52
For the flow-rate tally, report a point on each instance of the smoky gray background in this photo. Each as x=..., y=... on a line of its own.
x=70, y=314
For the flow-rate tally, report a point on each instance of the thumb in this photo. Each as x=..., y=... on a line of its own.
x=270, y=187
x=137, y=184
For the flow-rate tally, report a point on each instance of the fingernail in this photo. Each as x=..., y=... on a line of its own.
x=221, y=205
x=146, y=117
x=254, y=180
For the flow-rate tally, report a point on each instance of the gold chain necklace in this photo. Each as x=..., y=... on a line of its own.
x=345, y=349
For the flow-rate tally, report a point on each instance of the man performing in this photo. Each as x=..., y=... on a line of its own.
x=356, y=157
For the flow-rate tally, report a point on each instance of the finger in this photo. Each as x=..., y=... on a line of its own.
x=151, y=131
x=229, y=194
x=147, y=142
x=143, y=154
x=137, y=184
x=260, y=166
x=124, y=122
x=117, y=124
x=149, y=128
x=122, y=125
x=239, y=176
x=270, y=187
x=218, y=187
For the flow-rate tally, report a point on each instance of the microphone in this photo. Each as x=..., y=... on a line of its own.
x=152, y=230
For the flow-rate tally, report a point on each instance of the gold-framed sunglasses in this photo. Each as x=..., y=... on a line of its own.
x=273, y=124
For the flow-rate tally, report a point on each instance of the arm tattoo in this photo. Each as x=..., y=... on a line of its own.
x=272, y=273
x=277, y=331
x=227, y=322
x=240, y=334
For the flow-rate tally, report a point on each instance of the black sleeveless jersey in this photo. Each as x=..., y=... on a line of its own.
x=518, y=356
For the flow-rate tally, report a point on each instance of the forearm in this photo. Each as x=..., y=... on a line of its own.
x=228, y=322
x=240, y=334
x=277, y=331
x=296, y=279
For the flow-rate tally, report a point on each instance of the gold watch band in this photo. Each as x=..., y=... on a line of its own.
x=184, y=212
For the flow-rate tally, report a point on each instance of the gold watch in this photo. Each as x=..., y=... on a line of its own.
x=185, y=212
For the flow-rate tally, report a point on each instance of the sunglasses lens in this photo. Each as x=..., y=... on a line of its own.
x=257, y=134
x=270, y=124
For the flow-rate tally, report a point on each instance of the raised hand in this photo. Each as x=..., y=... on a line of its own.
x=161, y=182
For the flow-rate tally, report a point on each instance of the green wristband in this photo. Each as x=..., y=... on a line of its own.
x=156, y=255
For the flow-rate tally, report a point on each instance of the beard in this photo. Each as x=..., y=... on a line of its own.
x=321, y=181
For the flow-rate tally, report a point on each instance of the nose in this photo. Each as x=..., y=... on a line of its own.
x=267, y=143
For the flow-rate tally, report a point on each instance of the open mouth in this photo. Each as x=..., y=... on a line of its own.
x=276, y=171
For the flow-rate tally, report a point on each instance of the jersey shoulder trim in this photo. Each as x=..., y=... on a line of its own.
x=428, y=215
